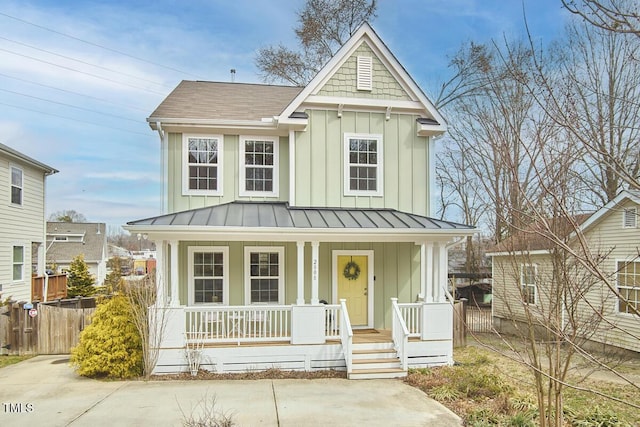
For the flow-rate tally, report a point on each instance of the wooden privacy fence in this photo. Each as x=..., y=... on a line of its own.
x=56, y=286
x=53, y=330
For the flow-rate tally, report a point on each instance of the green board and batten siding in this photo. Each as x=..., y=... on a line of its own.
x=320, y=161
x=230, y=170
x=396, y=271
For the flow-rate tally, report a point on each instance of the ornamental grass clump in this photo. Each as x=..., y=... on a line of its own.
x=110, y=347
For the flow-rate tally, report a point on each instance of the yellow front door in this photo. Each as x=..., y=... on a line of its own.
x=352, y=286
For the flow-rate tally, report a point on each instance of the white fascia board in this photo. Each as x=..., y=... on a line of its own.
x=431, y=130
x=381, y=104
x=519, y=253
x=205, y=233
x=606, y=209
x=364, y=33
x=209, y=122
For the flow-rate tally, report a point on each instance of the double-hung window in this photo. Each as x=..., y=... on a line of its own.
x=628, y=278
x=208, y=275
x=202, y=173
x=264, y=273
x=363, y=165
x=528, y=283
x=18, y=263
x=259, y=166
x=16, y=186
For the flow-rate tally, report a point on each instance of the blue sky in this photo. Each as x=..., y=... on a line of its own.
x=79, y=78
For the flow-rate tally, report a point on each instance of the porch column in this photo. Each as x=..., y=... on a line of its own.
x=160, y=283
x=300, y=299
x=428, y=271
x=442, y=271
x=173, y=248
x=315, y=264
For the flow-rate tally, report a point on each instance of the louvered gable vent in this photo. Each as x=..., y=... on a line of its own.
x=365, y=73
x=630, y=218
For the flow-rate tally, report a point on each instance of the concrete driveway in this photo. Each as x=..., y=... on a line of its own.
x=44, y=391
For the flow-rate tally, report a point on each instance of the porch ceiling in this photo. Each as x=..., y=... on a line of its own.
x=278, y=217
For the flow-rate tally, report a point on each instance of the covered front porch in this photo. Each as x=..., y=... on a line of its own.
x=254, y=286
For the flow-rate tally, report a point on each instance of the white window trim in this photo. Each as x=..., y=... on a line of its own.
x=380, y=166
x=11, y=167
x=276, y=167
x=535, y=284
x=630, y=211
x=225, y=277
x=13, y=263
x=186, y=191
x=616, y=308
x=247, y=271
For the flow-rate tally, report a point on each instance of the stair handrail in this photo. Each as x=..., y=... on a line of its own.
x=399, y=333
x=346, y=335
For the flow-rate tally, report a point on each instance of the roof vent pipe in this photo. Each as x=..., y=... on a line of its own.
x=233, y=75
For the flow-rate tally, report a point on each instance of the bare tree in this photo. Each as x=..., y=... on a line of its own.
x=323, y=26
x=67, y=216
x=619, y=16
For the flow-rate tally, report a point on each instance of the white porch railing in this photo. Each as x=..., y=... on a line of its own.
x=412, y=315
x=238, y=323
x=399, y=333
x=346, y=335
x=332, y=322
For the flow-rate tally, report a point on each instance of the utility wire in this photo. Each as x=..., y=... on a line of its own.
x=75, y=93
x=73, y=119
x=83, y=62
x=82, y=72
x=69, y=105
x=100, y=46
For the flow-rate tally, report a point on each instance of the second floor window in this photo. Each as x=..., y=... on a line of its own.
x=16, y=186
x=203, y=171
x=363, y=165
x=259, y=166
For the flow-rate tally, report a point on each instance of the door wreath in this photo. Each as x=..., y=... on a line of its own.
x=351, y=271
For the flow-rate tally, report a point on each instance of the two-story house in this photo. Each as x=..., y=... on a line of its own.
x=301, y=215
x=22, y=222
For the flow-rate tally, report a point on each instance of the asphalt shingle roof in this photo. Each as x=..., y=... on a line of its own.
x=91, y=246
x=228, y=101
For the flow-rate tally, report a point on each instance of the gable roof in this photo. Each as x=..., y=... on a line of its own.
x=533, y=238
x=192, y=101
x=366, y=34
x=18, y=156
x=633, y=195
x=92, y=244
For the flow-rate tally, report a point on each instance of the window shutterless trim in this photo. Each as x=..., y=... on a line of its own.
x=19, y=186
x=379, y=165
x=527, y=285
x=225, y=273
x=242, y=185
x=219, y=165
x=248, y=250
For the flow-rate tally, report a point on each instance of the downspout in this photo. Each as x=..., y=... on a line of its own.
x=163, y=167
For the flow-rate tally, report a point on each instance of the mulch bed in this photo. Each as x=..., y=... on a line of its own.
x=269, y=374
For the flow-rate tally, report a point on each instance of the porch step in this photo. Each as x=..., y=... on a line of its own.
x=368, y=374
x=375, y=360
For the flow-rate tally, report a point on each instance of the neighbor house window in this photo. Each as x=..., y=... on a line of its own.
x=528, y=283
x=264, y=272
x=363, y=165
x=259, y=166
x=208, y=275
x=203, y=170
x=628, y=275
x=16, y=186
x=630, y=218
x=18, y=263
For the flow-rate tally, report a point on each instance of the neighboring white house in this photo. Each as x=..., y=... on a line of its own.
x=278, y=198
x=22, y=222
x=522, y=273
x=67, y=240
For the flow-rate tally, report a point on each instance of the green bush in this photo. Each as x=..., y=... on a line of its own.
x=110, y=346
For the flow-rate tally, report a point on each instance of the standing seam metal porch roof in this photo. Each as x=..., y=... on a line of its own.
x=281, y=215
